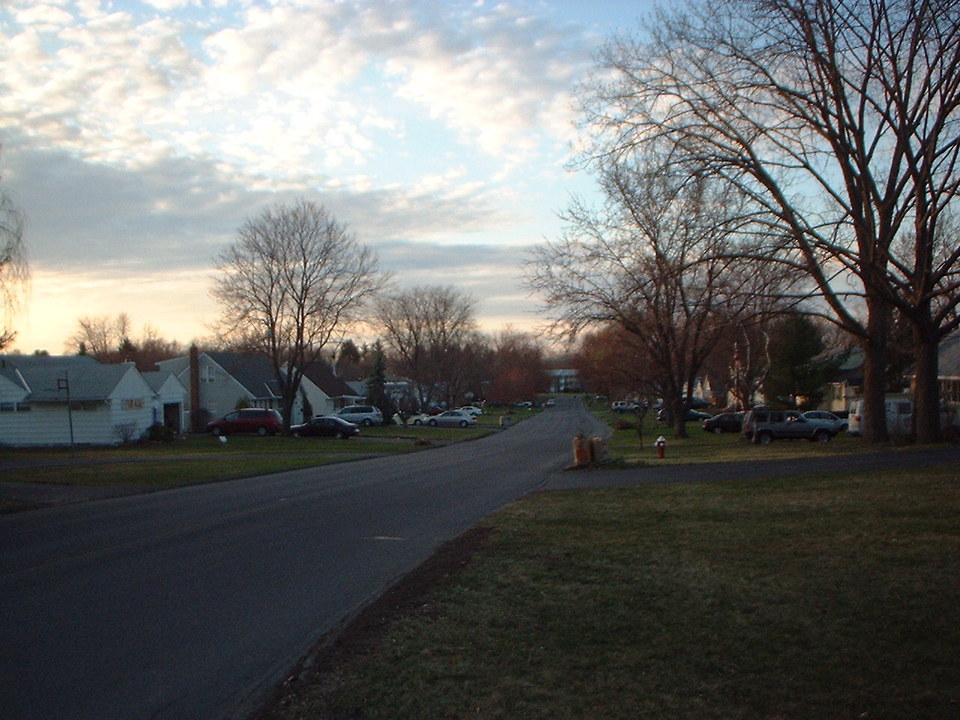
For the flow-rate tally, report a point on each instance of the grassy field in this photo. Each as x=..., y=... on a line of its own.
x=818, y=597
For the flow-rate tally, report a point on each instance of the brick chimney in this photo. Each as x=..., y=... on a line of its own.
x=195, y=389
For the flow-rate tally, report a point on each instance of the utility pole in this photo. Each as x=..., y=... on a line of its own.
x=64, y=384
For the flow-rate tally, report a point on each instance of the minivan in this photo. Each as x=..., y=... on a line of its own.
x=365, y=415
x=247, y=420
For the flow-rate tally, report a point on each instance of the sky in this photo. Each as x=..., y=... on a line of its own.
x=138, y=137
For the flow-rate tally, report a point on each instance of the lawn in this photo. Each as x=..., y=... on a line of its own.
x=204, y=458
x=631, y=448
x=818, y=597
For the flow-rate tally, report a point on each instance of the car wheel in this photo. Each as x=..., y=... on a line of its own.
x=262, y=431
x=717, y=430
x=764, y=438
x=341, y=435
x=463, y=423
x=432, y=423
x=216, y=431
x=822, y=437
x=367, y=422
x=418, y=422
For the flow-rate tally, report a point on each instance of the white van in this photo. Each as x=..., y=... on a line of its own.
x=899, y=415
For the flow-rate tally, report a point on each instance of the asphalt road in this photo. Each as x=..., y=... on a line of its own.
x=191, y=603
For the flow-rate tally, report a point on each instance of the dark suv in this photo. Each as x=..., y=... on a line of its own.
x=763, y=426
x=248, y=420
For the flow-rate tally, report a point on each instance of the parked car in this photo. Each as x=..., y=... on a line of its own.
x=899, y=411
x=247, y=420
x=365, y=415
x=689, y=416
x=621, y=406
x=763, y=426
x=450, y=418
x=827, y=419
x=326, y=427
x=472, y=410
x=724, y=422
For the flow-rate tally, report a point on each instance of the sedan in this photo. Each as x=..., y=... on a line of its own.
x=472, y=410
x=450, y=418
x=724, y=422
x=826, y=419
x=326, y=427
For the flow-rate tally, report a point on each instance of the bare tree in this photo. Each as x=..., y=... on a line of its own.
x=518, y=369
x=14, y=272
x=109, y=340
x=100, y=336
x=657, y=260
x=840, y=118
x=425, y=328
x=289, y=285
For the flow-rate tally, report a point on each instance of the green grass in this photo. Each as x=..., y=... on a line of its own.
x=631, y=448
x=203, y=458
x=818, y=597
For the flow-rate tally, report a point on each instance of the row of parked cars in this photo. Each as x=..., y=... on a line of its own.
x=345, y=423
x=763, y=425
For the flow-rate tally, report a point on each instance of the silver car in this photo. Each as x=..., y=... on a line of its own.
x=827, y=419
x=450, y=418
x=365, y=415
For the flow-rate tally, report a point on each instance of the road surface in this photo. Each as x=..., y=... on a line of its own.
x=191, y=603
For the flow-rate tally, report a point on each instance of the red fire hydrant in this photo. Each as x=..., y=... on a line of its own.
x=661, y=446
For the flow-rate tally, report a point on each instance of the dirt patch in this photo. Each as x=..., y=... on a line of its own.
x=317, y=676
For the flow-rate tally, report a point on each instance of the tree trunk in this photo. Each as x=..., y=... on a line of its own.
x=874, y=372
x=926, y=387
x=677, y=415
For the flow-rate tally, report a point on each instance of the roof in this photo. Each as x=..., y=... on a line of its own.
x=950, y=356
x=252, y=370
x=322, y=375
x=45, y=376
x=155, y=379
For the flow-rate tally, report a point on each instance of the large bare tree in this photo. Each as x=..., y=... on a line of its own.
x=14, y=273
x=661, y=260
x=291, y=283
x=840, y=118
x=425, y=329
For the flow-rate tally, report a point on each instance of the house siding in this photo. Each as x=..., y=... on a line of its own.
x=124, y=412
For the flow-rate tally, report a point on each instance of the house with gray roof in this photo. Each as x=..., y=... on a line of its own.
x=63, y=400
x=219, y=382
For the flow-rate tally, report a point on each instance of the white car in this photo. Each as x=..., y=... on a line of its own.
x=450, y=418
x=472, y=410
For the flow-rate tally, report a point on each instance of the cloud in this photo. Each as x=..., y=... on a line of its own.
x=137, y=137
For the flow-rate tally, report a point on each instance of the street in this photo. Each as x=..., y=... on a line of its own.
x=192, y=603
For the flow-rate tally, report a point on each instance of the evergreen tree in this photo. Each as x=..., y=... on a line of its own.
x=377, y=385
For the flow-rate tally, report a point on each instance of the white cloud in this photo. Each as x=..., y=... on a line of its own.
x=138, y=140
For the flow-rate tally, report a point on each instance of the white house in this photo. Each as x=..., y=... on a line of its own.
x=49, y=400
x=219, y=382
x=170, y=407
